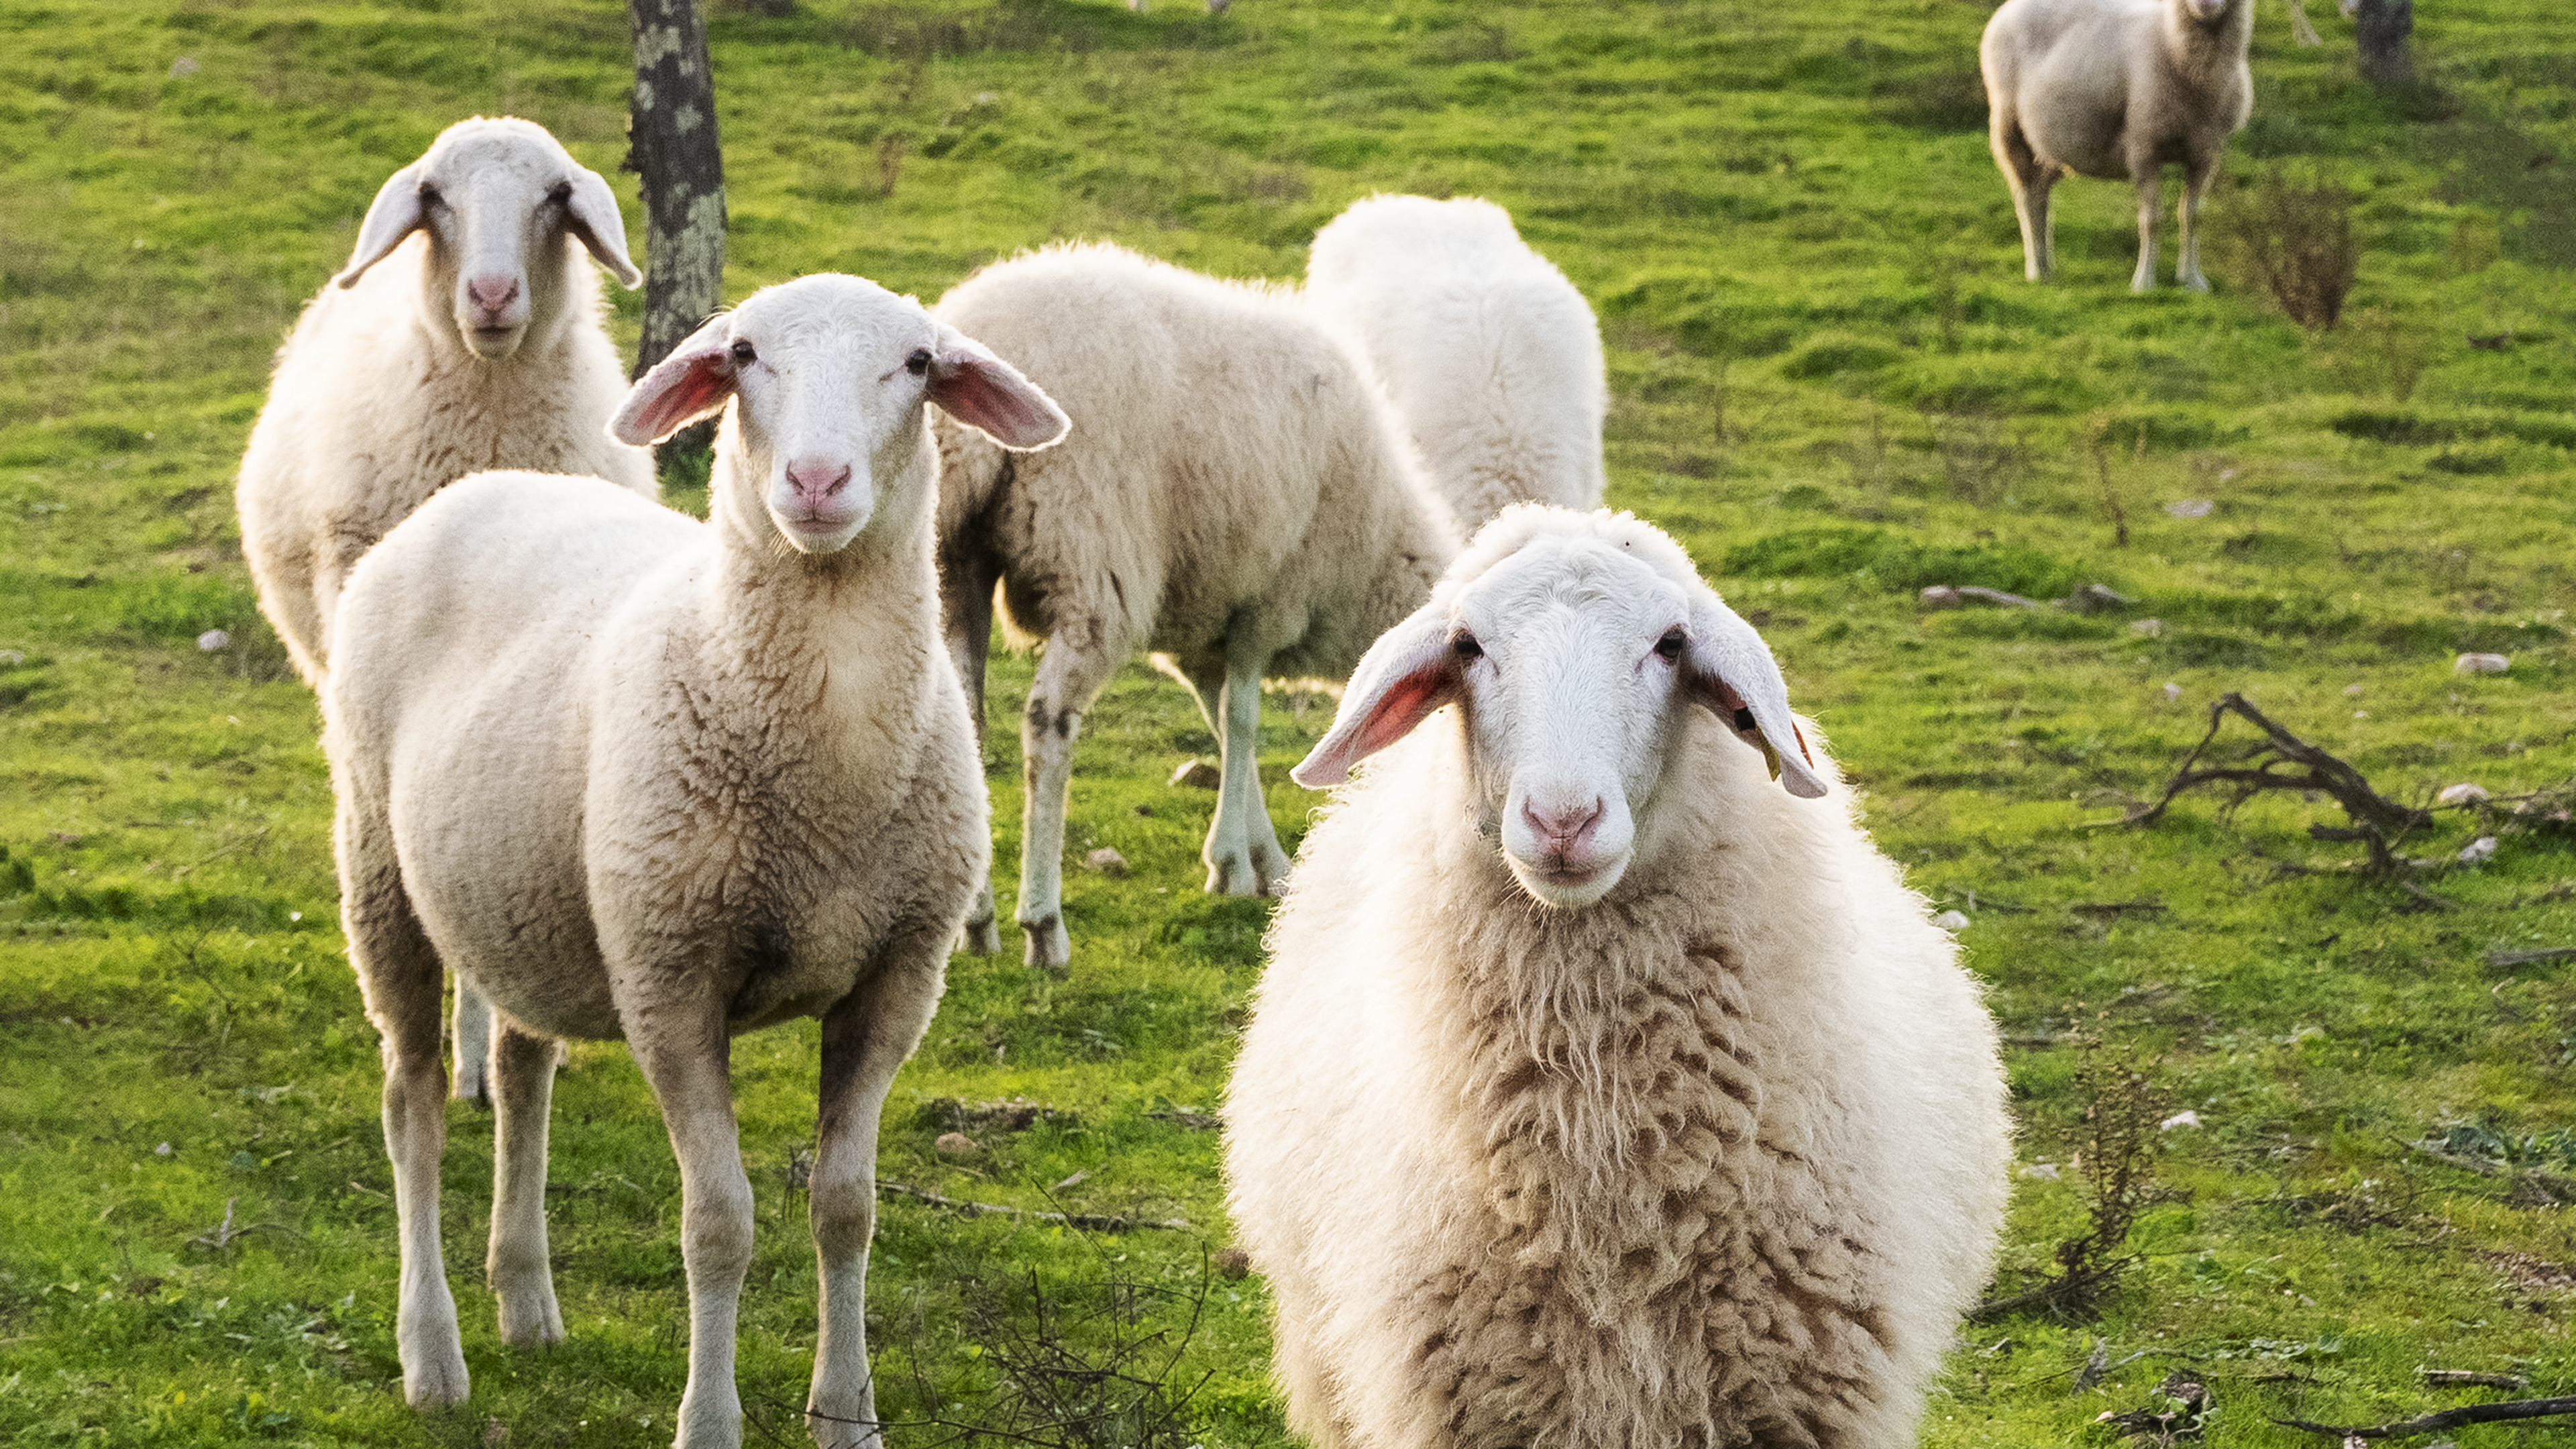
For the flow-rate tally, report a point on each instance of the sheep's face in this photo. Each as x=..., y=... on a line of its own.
x=497, y=198
x=1572, y=661
x=828, y=375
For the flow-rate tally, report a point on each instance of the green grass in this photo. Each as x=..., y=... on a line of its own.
x=1807, y=270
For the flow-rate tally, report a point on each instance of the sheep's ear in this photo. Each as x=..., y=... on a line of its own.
x=1731, y=671
x=984, y=392
x=594, y=218
x=396, y=213
x=1409, y=672
x=692, y=382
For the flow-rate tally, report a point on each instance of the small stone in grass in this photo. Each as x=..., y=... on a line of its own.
x=1197, y=774
x=212, y=640
x=1231, y=1263
x=2148, y=628
x=1941, y=596
x=2192, y=508
x=11, y=658
x=2172, y=692
x=1951, y=921
x=956, y=1144
x=1106, y=861
x=2464, y=793
x=2044, y=1171
x=2477, y=851
x=2481, y=664
x=2180, y=1121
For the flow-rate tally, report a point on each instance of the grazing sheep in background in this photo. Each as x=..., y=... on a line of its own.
x=478, y=346
x=1490, y=356
x=1600, y=1093
x=2112, y=88
x=1236, y=500
x=633, y=775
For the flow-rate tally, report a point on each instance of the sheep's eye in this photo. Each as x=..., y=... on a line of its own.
x=743, y=353
x=919, y=362
x=1671, y=645
x=1465, y=646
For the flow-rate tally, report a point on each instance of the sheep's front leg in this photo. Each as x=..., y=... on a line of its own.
x=400, y=977
x=2150, y=197
x=2195, y=188
x=966, y=578
x=469, y=1081
x=865, y=1039
x=521, y=1274
x=1068, y=678
x=1242, y=852
x=682, y=1048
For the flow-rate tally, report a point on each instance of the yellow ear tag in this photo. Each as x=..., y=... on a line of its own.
x=1770, y=756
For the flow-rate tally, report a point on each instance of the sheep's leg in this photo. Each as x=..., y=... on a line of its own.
x=2150, y=197
x=2029, y=183
x=1068, y=678
x=966, y=579
x=523, y=1081
x=400, y=977
x=686, y=1058
x=865, y=1038
x=1242, y=852
x=469, y=1081
x=2195, y=187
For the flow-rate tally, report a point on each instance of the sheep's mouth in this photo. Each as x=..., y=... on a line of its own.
x=1555, y=881
x=493, y=341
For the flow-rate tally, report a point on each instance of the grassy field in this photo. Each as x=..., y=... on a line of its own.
x=1831, y=383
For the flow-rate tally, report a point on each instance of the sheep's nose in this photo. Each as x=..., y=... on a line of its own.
x=493, y=293
x=1565, y=830
x=815, y=482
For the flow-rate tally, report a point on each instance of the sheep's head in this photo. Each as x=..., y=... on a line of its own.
x=1573, y=645
x=497, y=198
x=827, y=375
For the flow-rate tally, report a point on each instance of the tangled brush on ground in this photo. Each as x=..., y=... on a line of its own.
x=2295, y=242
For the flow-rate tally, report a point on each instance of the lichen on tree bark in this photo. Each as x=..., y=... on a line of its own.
x=672, y=145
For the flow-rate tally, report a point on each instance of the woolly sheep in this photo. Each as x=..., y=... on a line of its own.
x=2113, y=88
x=1487, y=352
x=632, y=775
x=1236, y=501
x=1598, y=1093
x=479, y=345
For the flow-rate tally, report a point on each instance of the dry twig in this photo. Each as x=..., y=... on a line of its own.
x=2498, y=1413
x=2375, y=817
x=1096, y=1222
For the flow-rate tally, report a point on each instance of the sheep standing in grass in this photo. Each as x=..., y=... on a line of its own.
x=2113, y=88
x=1489, y=355
x=464, y=334
x=1599, y=1092
x=632, y=775
x=1236, y=500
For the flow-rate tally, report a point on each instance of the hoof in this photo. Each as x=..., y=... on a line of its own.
x=471, y=1091
x=1232, y=876
x=2195, y=284
x=980, y=938
x=531, y=1319
x=844, y=1426
x=436, y=1385
x=1049, y=948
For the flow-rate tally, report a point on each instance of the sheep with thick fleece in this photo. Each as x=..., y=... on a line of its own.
x=1600, y=1093
x=633, y=775
x=2114, y=88
x=1236, y=500
x=464, y=334
x=1488, y=353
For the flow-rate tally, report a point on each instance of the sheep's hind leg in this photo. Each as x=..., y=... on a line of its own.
x=866, y=1036
x=469, y=1080
x=686, y=1057
x=523, y=1081
x=400, y=977
x=1242, y=852
x=1068, y=678
x=2028, y=178
x=2150, y=197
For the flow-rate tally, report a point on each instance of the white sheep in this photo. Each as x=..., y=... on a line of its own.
x=1598, y=1093
x=478, y=346
x=2113, y=88
x=1488, y=353
x=1237, y=501
x=632, y=775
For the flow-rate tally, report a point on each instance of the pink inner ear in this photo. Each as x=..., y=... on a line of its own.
x=977, y=392
x=1404, y=704
x=702, y=384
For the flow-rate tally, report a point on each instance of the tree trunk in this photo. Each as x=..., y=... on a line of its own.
x=2382, y=29
x=671, y=143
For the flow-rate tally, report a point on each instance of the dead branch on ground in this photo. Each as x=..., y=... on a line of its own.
x=2499, y=1413
x=2269, y=764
